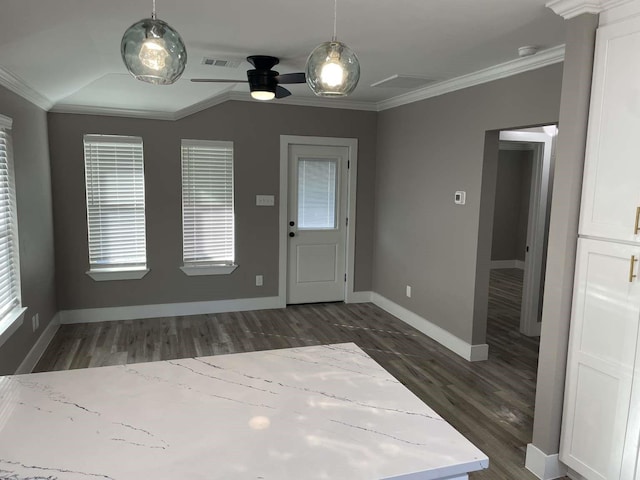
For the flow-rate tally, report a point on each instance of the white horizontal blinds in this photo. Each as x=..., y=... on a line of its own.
x=317, y=193
x=9, y=265
x=114, y=174
x=207, y=203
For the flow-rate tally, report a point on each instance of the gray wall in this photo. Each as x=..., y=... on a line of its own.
x=255, y=130
x=511, y=212
x=563, y=231
x=35, y=224
x=426, y=151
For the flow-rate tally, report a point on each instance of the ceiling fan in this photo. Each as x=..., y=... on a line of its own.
x=264, y=82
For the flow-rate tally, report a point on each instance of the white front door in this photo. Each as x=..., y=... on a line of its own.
x=317, y=216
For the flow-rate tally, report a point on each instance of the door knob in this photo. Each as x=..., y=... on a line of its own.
x=292, y=223
x=291, y=234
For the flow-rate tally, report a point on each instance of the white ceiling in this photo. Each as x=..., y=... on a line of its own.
x=69, y=50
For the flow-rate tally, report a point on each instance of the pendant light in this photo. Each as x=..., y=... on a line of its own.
x=333, y=69
x=153, y=52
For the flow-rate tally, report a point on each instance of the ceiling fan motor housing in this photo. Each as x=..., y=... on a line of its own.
x=262, y=80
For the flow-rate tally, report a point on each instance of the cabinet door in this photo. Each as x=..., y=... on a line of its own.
x=602, y=358
x=611, y=189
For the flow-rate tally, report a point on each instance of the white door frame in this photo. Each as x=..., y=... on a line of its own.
x=352, y=145
x=541, y=144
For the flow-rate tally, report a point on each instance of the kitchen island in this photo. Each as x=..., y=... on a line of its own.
x=311, y=413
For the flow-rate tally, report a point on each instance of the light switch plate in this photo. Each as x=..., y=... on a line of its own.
x=265, y=200
x=460, y=198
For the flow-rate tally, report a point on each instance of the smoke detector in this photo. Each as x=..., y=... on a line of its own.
x=527, y=51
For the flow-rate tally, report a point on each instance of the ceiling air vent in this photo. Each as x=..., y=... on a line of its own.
x=403, y=81
x=221, y=62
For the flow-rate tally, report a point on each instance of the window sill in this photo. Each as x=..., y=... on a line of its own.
x=11, y=322
x=193, y=271
x=116, y=274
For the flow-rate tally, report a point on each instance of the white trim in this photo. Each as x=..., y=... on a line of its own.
x=218, y=99
x=109, y=275
x=543, y=466
x=495, y=264
x=195, y=271
x=19, y=87
x=514, y=67
x=136, y=312
x=572, y=8
x=544, y=58
x=472, y=353
x=11, y=322
x=359, y=297
x=352, y=145
x=223, y=97
x=112, y=112
x=41, y=345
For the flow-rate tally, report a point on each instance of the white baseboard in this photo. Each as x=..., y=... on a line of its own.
x=38, y=349
x=543, y=466
x=91, y=315
x=507, y=264
x=473, y=353
x=359, y=297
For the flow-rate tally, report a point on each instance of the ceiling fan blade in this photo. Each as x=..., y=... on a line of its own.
x=216, y=80
x=282, y=92
x=291, y=78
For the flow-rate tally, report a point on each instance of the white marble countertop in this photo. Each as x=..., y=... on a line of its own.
x=322, y=412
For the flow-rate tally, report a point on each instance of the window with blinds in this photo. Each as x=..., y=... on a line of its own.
x=9, y=259
x=207, y=203
x=114, y=175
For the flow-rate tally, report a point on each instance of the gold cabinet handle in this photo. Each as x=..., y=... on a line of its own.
x=632, y=268
x=636, y=229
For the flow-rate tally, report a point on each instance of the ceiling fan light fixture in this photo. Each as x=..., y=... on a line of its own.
x=263, y=95
x=153, y=52
x=333, y=69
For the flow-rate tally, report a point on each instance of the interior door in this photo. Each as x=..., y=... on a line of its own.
x=317, y=223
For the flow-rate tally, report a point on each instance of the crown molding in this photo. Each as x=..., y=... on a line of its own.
x=572, y=8
x=503, y=70
x=542, y=59
x=208, y=103
x=19, y=87
x=112, y=112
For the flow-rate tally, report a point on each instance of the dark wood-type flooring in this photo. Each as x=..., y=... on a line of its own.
x=491, y=402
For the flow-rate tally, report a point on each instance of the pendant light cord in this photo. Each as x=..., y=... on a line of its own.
x=153, y=13
x=335, y=19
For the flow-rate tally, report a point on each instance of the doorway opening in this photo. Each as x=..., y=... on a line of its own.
x=515, y=211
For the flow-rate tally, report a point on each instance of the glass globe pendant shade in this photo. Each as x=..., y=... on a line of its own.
x=332, y=70
x=153, y=52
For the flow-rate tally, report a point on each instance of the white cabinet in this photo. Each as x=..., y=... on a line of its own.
x=611, y=190
x=601, y=417
x=600, y=424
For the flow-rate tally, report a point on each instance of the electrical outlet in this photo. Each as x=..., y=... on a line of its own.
x=409, y=291
x=259, y=281
x=37, y=321
x=34, y=322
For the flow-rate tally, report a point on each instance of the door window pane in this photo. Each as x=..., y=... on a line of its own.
x=317, y=193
